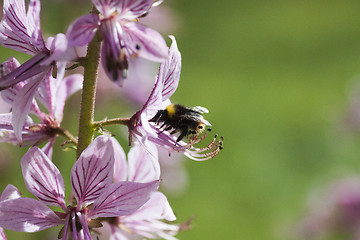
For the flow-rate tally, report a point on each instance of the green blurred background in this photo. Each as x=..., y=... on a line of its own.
x=277, y=78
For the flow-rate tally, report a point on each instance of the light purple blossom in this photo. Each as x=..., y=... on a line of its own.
x=173, y=173
x=17, y=127
x=333, y=210
x=123, y=36
x=96, y=196
x=165, y=85
x=20, y=31
x=142, y=166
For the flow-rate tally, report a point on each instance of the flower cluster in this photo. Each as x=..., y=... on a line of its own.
x=112, y=195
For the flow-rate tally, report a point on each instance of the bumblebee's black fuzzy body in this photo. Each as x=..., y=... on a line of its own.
x=179, y=118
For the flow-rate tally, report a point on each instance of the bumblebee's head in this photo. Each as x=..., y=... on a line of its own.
x=201, y=127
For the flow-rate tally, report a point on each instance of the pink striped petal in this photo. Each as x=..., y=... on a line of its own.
x=150, y=43
x=60, y=50
x=27, y=215
x=106, y=7
x=68, y=86
x=10, y=192
x=19, y=31
x=45, y=93
x=93, y=171
x=120, y=163
x=22, y=103
x=157, y=207
x=82, y=31
x=169, y=72
x=42, y=178
x=9, y=95
x=143, y=163
x=9, y=65
x=27, y=70
x=33, y=15
x=48, y=148
x=131, y=9
x=122, y=198
x=166, y=83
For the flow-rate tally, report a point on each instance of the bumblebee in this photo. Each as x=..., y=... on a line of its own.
x=181, y=119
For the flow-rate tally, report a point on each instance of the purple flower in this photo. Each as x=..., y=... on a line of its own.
x=123, y=36
x=17, y=127
x=96, y=197
x=21, y=31
x=142, y=166
x=332, y=211
x=143, y=127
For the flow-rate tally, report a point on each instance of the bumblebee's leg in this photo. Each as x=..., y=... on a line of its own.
x=157, y=117
x=168, y=128
x=173, y=131
x=184, y=132
x=163, y=125
x=165, y=129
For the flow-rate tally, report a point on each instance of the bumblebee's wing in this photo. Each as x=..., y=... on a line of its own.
x=200, y=109
x=196, y=117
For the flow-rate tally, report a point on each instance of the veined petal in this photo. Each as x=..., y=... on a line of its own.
x=9, y=95
x=82, y=31
x=145, y=42
x=169, y=72
x=42, y=178
x=111, y=65
x=131, y=9
x=22, y=102
x=106, y=7
x=143, y=163
x=154, y=102
x=60, y=49
x=9, y=65
x=157, y=207
x=45, y=93
x=10, y=192
x=27, y=70
x=27, y=215
x=7, y=134
x=166, y=82
x=5, y=121
x=48, y=148
x=68, y=86
x=114, y=53
x=33, y=17
x=120, y=163
x=122, y=198
x=19, y=31
x=84, y=233
x=93, y=171
x=119, y=234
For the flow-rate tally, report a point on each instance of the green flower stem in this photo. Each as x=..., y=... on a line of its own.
x=66, y=133
x=91, y=63
x=114, y=121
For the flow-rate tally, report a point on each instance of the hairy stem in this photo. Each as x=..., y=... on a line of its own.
x=67, y=134
x=114, y=121
x=91, y=63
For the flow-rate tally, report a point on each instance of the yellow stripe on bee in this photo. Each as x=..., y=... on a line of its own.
x=171, y=110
